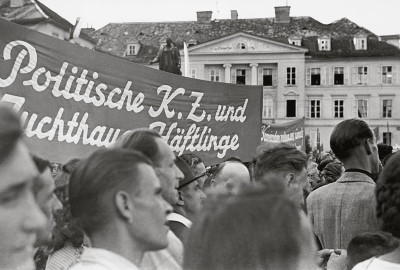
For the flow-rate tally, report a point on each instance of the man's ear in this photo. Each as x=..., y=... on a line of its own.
x=367, y=147
x=124, y=205
x=180, y=199
x=291, y=180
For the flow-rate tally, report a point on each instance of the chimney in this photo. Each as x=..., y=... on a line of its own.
x=234, y=15
x=282, y=14
x=204, y=16
x=16, y=3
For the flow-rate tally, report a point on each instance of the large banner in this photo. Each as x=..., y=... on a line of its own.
x=291, y=133
x=74, y=100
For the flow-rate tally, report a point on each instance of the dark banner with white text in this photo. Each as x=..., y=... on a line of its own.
x=290, y=132
x=74, y=100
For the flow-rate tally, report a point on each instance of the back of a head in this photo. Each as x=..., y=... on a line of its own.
x=142, y=140
x=388, y=196
x=367, y=245
x=348, y=135
x=10, y=131
x=280, y=158
x=230, y=233
x=97, y=179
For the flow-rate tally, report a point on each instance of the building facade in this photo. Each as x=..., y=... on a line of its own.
x=323, y=72
x=36, y=16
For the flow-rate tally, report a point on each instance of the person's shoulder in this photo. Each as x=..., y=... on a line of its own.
x=80, y=266
x=363, y=265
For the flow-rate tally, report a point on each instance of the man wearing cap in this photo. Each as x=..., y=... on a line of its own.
x=190, y=201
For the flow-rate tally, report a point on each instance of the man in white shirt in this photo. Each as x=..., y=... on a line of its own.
x=115, y=195
x=152, y=145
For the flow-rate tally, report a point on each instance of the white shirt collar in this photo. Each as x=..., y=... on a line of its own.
x=105, y=258
x=179, y=218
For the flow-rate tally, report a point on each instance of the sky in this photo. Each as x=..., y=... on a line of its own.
x=382, y=17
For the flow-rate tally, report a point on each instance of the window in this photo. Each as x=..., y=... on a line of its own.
x=193, y=73
x=291, y=76
x=295, y=42
x=324, y=44
x=267, y=76
x=132, y=49
x=338, y=107
x=360, y=43
x=387, y=74
x=362, y=108
x=268, y=104
x=315, y=108
x=339, y=76
x=361, y=75
x=215, y=75
x=241, y=46
x=315, y=76
x=240, y=76
x=290, y=108
x=387, y=108
x=387, y=138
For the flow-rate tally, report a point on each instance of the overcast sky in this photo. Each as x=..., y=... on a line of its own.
x=379, y=16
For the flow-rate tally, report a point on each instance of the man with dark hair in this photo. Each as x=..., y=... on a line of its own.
x=198, y=168
x=46, y=198
x=115, y=196
x=169, y=58
x=284, y=162
x=20, y=216
x=151, y=144
x=346, y=208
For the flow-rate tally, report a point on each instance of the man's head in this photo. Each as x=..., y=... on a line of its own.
x=118, y=190
x=45, y=198
x=229, y=175
x=197, y=166
x=354, y=139
x=191, y=196
x=20, y=216
x=287, y=163
x=150, y=143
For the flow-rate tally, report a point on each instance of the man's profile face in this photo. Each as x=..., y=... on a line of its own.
x=193, y=198
x=374, y=156
x=150, y=211
x=168, y=172
x=198, y=170
x=296, y=187
x=20, y=216
x=48, y=203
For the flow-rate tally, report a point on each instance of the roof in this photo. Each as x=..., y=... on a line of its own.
x=386, y=37
x=32, y=12
x=113, y=38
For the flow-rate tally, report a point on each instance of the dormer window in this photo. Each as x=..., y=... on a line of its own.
x=295, y=41
x=132, y=49
x=191, y=42
x=324, y=44
x=241, y=46
x=360, y=43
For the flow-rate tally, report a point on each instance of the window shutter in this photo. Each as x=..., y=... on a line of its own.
x=308, y=76
x=260, y=76
x=354, y=75
x=394, y=75
x=307, y=108
x=367, y=75
x=346, y=75
x=248, y=71
x=355, y=108
x=233, y=76
x=274, y=77
x=379, y=75
x=323, y=75
x=330, y=75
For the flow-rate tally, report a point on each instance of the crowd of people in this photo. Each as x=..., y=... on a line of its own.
x=136, y=206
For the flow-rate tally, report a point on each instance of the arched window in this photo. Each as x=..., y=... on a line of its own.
x=268, y=106
x=241, y=46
